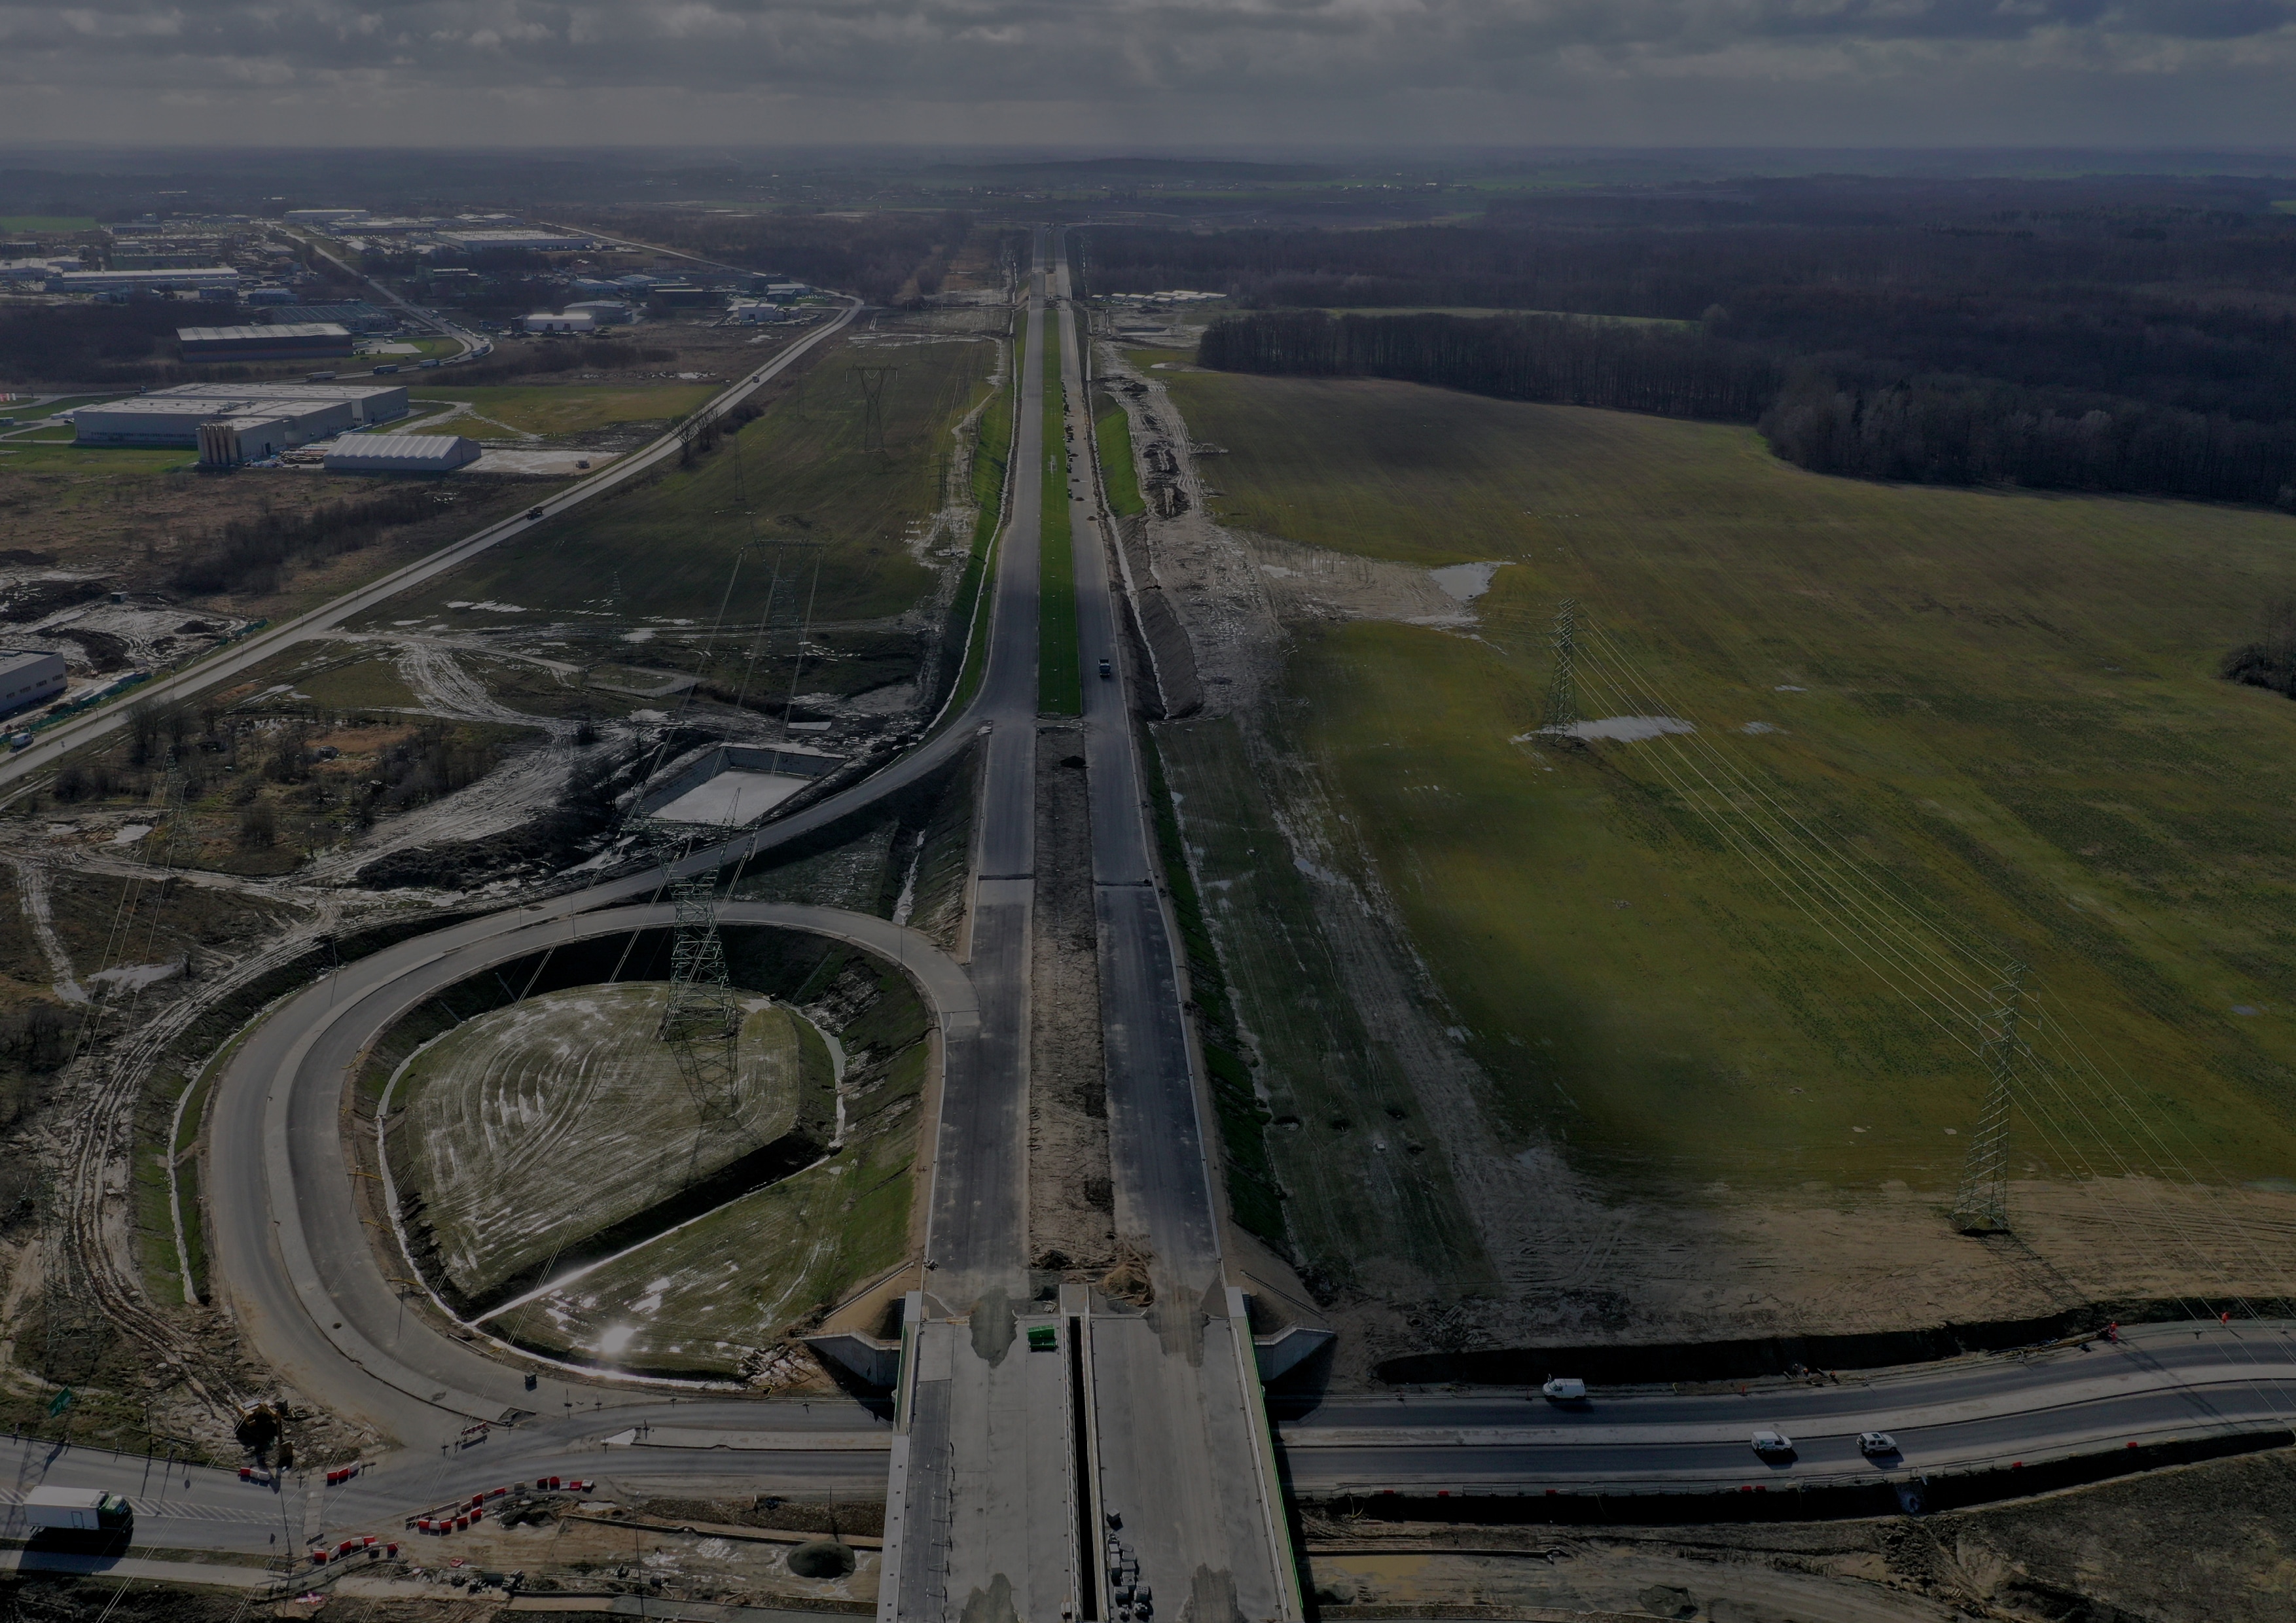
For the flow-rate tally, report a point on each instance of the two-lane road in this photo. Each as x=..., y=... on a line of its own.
x=2162, y=1383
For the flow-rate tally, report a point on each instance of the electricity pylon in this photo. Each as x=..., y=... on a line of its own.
x=702, y=1020
x=873, y=381
x=1561, y=721
x=1982, y=1205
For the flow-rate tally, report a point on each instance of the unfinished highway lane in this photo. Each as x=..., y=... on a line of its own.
x=2161, y=1384
x=235, y=660
x=309, y=1288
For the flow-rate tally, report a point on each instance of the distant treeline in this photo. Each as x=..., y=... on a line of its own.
x=2130, y=334
x=1998, y=434
x=1560, y=359
x=884, y=257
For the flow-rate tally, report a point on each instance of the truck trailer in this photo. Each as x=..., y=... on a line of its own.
x=78, y=1510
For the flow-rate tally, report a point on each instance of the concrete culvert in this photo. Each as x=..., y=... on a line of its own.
x=822, y=1558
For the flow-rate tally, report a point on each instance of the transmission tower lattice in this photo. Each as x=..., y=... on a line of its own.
x=701, y=1022
x=1982, y=1205
x=873, y=381
x=1561, y=721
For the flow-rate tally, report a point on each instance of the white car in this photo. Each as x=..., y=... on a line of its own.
x=1774, y=1445
x=1565, y=1389
x=1876, y=1445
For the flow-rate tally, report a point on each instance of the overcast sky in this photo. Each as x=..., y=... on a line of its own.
x=1102, y=72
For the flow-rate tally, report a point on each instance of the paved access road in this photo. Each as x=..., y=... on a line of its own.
x=227, y=664
x=2161, y=1383
x=290, y=1248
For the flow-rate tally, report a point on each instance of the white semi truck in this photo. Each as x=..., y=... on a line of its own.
x=78, y=1510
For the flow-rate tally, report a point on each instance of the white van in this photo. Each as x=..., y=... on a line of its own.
x=1565, y=1389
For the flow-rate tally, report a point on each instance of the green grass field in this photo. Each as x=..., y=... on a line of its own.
x=530, y=1128
x=1937, y=730
x=795, y=484
x=1112, y=431
x=47, y=222
x=563, y=408
x=1060, y=690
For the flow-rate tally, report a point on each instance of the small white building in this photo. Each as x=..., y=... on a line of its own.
x=604, y=312
x=401, y=453
x=572, y=320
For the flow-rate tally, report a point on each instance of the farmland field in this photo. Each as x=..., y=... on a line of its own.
x=1936, y=734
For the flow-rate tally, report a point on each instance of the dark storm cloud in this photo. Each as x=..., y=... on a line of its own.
x=1268, y=62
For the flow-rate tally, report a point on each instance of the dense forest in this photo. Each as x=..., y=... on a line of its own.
x=885, y=257
x=1563, y=360
x=2135, y=334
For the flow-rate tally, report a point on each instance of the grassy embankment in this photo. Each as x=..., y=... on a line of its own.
x=1924, y=715
x=1060, y=690
x=530, y=1129
x=696, y=1300
x=992, y=456
x=1113, y=432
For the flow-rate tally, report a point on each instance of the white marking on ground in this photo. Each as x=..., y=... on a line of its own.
x=1627, y=729
x=731, y=799
x=1466, y=581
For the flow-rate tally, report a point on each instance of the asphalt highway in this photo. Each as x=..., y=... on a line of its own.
x=2161, y=1383
x=1183, y=1454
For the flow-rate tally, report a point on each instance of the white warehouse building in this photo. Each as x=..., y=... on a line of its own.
x=573, y=320
x=28, y=678
x=369, y=402
x=401, y=453
x=237, y=423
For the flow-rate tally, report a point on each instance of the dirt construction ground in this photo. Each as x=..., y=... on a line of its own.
x=2201, y=1544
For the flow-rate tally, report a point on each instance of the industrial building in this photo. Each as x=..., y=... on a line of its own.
x=535, y=242
x=401, y=453
x=28, y=677
x=287, y=341
x=323, y=217
x=128, y=281
x=226, y=442
x=236, y=423
x=543, y=321
x=604, y=312
x=369, y=402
